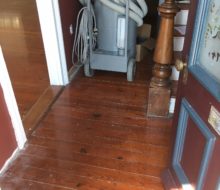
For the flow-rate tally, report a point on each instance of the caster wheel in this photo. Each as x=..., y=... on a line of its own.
x=87, y=70
x=131, y=70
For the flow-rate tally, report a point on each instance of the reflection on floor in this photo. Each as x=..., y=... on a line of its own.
x=22, y=45
x=96, y=136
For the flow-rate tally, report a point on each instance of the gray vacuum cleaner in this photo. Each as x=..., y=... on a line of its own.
x=115, y=48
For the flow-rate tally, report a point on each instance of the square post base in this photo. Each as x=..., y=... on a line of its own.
x=158, y=102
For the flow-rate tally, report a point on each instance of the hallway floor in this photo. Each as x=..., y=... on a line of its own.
x=22, y=45
x=96, y=136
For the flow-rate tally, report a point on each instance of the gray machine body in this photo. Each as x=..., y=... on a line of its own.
x=107, y=55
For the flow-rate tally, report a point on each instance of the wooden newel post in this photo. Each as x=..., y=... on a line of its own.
x=159, y=92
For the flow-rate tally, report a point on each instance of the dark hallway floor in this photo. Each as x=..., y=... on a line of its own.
x=96, y=136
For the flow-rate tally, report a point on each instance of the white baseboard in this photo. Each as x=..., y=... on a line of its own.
x=182, y=17
x=73, y=72
x=172, y=105
x=178, y=43
x=11, y=159
x=175, y=74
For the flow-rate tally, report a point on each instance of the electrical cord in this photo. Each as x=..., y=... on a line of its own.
x=81, y=39
x=81, y=43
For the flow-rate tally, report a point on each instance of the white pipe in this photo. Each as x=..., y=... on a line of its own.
x=135, y=12
x=134, y=8
x=117, y=1
x=121, y=9
x=83, y=2
x=143, y=6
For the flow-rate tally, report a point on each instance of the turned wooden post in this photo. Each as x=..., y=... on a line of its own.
x=159, y=92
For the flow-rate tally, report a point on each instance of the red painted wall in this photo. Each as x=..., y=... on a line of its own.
x=68, y=10
x=7, y=137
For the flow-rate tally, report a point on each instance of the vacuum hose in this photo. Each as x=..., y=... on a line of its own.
x=135, y=12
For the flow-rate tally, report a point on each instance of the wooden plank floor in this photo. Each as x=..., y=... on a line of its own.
x=96, y=136
x=21, y=41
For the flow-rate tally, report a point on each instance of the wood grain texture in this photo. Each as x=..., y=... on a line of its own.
x=96, y=136
x=21, y=41
x=39, y=109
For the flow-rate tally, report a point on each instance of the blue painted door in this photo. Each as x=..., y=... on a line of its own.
x=195, y=162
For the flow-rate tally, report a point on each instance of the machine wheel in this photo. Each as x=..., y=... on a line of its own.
x=87, y=70
x=131, y=70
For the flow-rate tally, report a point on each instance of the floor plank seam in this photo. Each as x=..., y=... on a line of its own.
x=156, y=178
x=142, y=152
x=113, y=159
x=148, y=155
x=43, y=183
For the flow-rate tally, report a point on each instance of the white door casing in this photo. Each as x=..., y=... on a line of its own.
x=49, y=16
x=11, y=103
x=50, y=22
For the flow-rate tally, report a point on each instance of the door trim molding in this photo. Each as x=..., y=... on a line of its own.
x=50, y=22
x=186, y=112
x=11, y=103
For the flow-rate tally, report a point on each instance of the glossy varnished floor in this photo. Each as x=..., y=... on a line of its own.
x=22, y=45
x=96, y=136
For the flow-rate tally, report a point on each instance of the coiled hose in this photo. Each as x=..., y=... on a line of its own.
x=137, y=10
